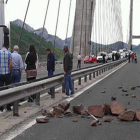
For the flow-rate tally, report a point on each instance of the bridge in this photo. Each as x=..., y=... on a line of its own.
x=97, y=27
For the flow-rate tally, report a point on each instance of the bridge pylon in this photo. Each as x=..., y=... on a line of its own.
x=81, y=38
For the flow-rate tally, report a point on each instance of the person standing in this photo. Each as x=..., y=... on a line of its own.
x=31, y=61
x=67, y=65
x=129, y=57
x=5, y=69
x=79, y=58
x=17, y=65
x=50, y=64
x=132, y=56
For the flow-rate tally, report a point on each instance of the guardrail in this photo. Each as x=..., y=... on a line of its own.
x=56, y=62
x=13, y=95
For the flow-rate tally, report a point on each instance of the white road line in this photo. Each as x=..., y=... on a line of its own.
x=17, y=132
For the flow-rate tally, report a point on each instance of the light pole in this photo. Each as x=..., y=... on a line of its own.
x=2, y=22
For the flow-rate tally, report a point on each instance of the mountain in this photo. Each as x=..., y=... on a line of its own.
x=30, y=38
x=19, y=23
x=48, y=37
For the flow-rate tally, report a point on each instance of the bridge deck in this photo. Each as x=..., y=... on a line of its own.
x=65, y=129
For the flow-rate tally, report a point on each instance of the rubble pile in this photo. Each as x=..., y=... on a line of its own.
x=104, y=113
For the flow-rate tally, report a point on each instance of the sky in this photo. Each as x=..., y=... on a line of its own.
x=15, y=9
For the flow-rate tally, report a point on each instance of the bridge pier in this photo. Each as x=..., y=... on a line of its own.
x=2, y=21
x=81, y=38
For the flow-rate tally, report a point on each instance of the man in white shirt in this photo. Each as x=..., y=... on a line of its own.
x=79, y=58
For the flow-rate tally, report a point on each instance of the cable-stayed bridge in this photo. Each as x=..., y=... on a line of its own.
x=97, y=27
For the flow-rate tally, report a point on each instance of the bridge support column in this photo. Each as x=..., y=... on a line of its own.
x=81, y=38
x=2, y=21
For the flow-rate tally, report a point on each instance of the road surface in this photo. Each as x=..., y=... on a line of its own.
x=65, y=129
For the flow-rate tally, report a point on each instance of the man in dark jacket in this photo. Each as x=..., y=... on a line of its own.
x=50, y=64
x=67, y=64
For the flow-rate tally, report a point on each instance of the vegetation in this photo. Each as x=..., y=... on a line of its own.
x=32, y=39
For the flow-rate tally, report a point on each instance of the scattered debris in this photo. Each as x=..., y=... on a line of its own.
x=133, y=96
x=126, y=94
x=107, y=109
x=93, y=123
x=137, y=114
x=50, y=114
x=103, y=91
x=78, y=109
x=107, y=119
x=99, y=123
x=68, y=113
x=58, y=111
x=120, y=87
x=123, y=90
x=25, y=111
x=42, y=120
x=96, y=110
x=127, y=115
x=132, y=88
x=75, y=120
x=64, y=105
x=44, y=112
x=113, y=98
x=138, y=86
x=128, y=103
x=117, y=108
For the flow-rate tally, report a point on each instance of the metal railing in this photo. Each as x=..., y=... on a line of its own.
x=13, y=95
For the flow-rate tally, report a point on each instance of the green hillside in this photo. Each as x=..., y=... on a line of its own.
x=32, y=39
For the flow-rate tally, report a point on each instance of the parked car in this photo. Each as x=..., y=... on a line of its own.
x=90, y=59
x=100, y=57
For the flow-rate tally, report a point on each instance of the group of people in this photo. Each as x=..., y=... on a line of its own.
x=11, y=67
x=115, y=56
x=132, y=57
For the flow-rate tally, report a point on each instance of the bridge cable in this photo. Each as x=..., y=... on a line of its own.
x=68, y=22
x=56, y=25
x=23, y=23
x=40, y=42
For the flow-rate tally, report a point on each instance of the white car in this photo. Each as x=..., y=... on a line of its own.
x=100, y=57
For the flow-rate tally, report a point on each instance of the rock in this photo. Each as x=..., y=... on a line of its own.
x=85, y=113
x=78, y=109
x=75, y=120
x=113, y=98
x=50, y=114
x=58, y=111
x=107, y=109
x=44, y=112
x=107, y=119
x=137, y=114
x=99, y=123
x=126, y=94
x=132, y=88
x=64, y=105
x=42, y=120
x=128, y=103
x=123, y=90
x=103, y=91
x=93, y=123
x=127, y=115
x=117, y=108
x=68, y=113
x=133, y=96
x=96, y=110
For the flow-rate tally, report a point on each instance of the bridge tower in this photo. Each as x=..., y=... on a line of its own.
x=2, y=21
x=81, y=38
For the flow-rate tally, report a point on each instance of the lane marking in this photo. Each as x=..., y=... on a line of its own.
x=17, y=132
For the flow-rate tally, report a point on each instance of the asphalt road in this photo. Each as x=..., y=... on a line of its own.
x=44, y=73
x=65, y=129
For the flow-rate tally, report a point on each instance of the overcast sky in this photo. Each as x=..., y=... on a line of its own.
x=15, y=9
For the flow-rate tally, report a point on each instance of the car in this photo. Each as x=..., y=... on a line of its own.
x=100, y=57
x=90, y=59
